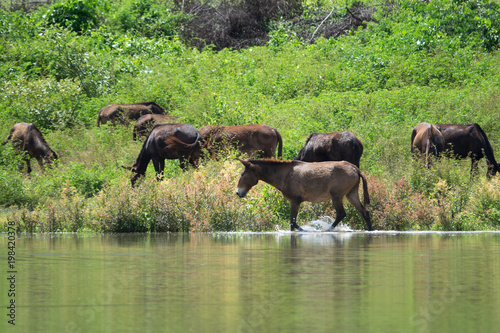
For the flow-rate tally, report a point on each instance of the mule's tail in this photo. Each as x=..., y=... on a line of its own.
x=366, y=196
x=99, y=120
x=488, y=149
x=280, y=144
x=185, y=148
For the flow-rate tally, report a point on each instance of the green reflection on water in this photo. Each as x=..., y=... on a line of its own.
x=271, y=282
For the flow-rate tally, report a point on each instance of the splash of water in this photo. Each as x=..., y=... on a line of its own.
x=322, y=224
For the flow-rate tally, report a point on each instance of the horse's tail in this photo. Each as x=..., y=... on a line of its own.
x=488, y=149
x=366, y=196
x=302, y=152
x=99, y=120
x=280, y=143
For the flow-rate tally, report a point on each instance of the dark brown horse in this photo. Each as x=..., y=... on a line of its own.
x=336, y=146
x=426, y=140
x=314, y=182
x=145, y=124
x=124, y=113
x=462, y=141
x=168, y=141
x=27, y=138
x=254, y=140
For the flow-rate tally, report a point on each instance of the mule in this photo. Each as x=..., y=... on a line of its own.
x=462, y=141
x=124, y=113
x=336, y=146
x=253, y=140
x=145, y=124
x=427, y=140
x=314, y=182
x=28, y=140
x=168, y=141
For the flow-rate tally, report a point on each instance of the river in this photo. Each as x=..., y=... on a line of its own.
x=253, y=282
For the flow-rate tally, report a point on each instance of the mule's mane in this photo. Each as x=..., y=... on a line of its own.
x=270, y=161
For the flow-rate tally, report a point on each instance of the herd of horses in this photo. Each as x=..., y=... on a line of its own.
x=326, y=168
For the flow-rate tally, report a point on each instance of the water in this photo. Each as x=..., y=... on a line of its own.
x=255, y=282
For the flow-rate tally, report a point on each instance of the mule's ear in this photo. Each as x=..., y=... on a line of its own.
x=127, y=167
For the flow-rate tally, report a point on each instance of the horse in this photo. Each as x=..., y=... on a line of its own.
x=167, y=141
x=124, y=113
x=336, y=146
x=145, y=124
x=300, y=181
x=426, y=140
x=462, y=141
x=27, y=138
x=254, y=140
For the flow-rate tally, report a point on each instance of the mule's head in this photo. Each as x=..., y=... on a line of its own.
x=248, y=179
x=493, y=169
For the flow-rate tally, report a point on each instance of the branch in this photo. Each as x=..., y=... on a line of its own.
x=319, y=26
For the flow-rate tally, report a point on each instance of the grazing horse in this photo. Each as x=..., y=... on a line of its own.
x=123, y=113
x=145, y=124
x=28, y=138
x=462, y=141
x=336, y=146
x=253, y=140
x=303, y=181
x=426, y=139
x=168, y=141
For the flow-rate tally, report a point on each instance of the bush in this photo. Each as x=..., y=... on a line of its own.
x=76, y=15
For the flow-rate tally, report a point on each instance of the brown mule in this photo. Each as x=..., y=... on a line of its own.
x=124, y=113
x=28, y=138
x=314, y=182
x=262, y=140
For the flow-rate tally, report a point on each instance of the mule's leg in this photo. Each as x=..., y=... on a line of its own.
x=340, y=211
x=353, y=198
x=294, y=211
x=28, y=164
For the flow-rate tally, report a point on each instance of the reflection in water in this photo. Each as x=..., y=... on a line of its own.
x=258, y=282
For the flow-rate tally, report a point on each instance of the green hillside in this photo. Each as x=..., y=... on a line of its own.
x=375, y=69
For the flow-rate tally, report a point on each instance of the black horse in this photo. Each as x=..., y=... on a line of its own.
x=168, y=141
x=462, y=141
x=336, y=146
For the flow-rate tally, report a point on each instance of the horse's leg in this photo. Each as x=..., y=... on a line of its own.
x=340, y=211
x=40, y=163
x=353, y=198
x=161, y=167
x=157, y=165
x=294, y=211
x=473, y=166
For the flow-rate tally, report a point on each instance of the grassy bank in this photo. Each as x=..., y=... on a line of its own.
x=414, y=64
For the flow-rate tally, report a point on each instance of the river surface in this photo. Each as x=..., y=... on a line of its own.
x=253, y=282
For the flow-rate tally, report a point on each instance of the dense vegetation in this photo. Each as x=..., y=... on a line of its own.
x=411, y=61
